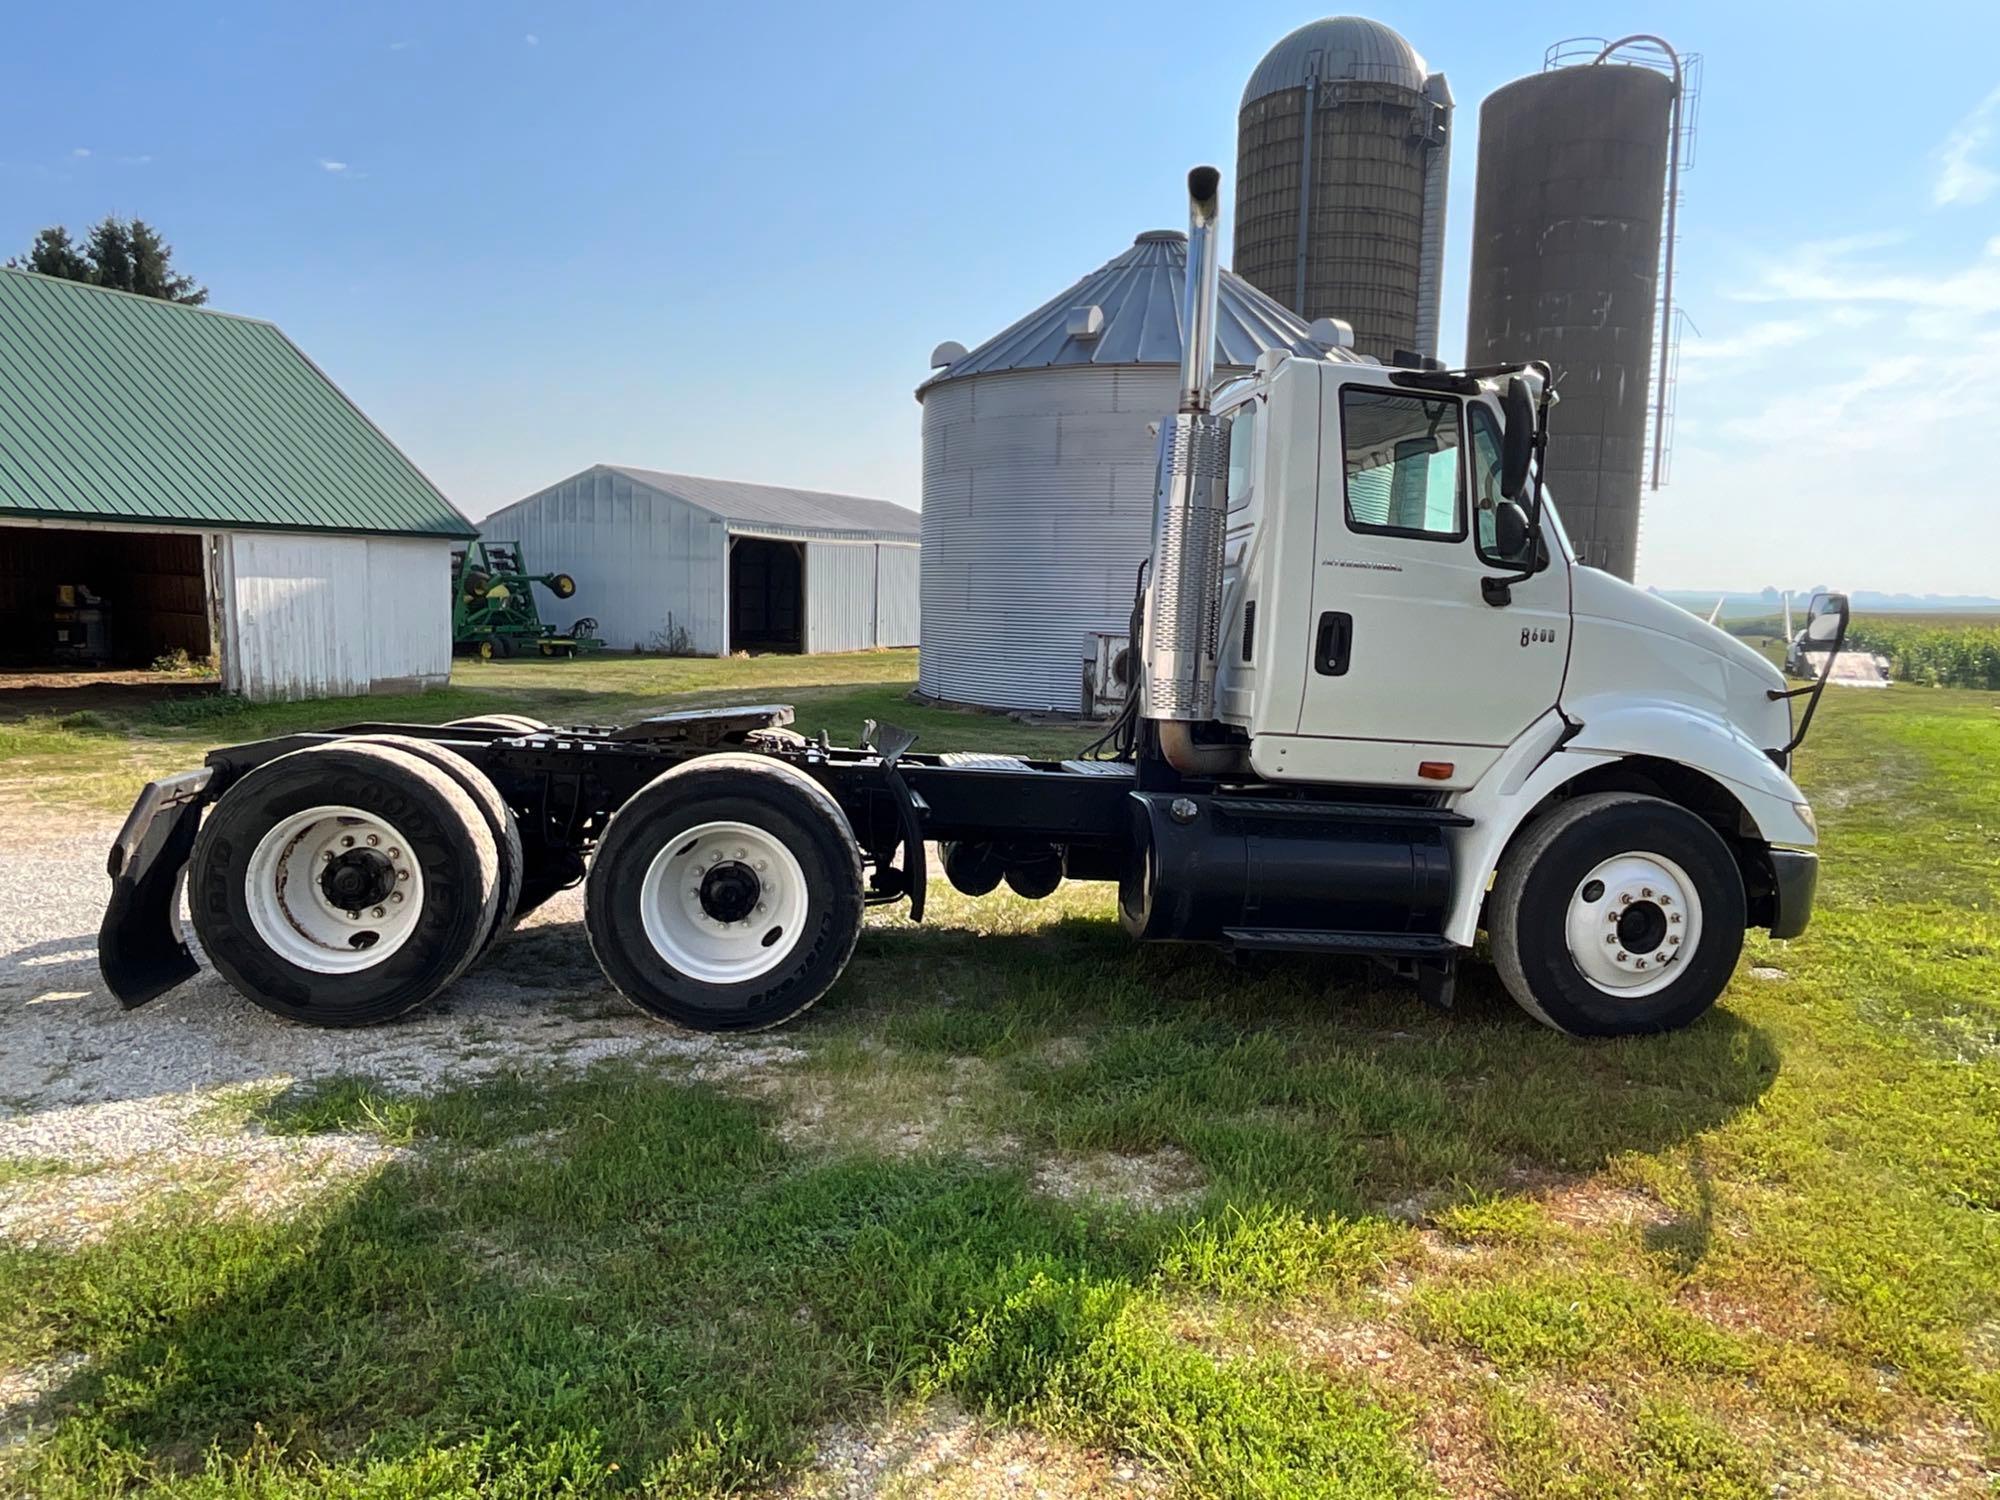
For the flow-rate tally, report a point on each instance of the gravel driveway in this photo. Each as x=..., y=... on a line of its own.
x=82, y=1077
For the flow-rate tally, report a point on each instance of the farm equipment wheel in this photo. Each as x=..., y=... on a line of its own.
x=503, y=646
x=505, y=723
x=1617, y=915
x=492, y=807
x=486, y=650
x=344, y=884
x=548, y=648
x=726, y=895
x=563, y=586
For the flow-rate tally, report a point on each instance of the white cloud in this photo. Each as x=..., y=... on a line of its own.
x=1853, y=458
x=137, y=161
x=80, y=151
x=335, y=167
x=1963, y=177
x=532, y=40
x=399, y=46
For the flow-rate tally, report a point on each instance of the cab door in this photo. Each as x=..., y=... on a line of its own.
x=1408, y=666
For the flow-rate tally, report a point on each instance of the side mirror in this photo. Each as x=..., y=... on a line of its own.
x=1517, y=440
x=1510, y=532
x=1828, y=620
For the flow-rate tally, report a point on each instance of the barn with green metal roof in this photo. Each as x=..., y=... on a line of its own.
x=178, y=479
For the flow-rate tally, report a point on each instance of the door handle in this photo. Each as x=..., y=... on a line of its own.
x=1335, y=641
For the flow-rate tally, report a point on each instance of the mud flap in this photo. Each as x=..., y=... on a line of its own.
x=139, y=947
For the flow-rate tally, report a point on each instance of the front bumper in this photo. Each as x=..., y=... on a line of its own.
x=1795, y=874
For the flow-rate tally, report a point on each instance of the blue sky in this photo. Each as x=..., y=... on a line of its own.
x=723, y=239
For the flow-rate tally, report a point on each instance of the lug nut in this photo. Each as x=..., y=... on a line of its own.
x=328, y=856
x=1674, y=937
x=402, y=874
x=395, y=895
x=1625, y=898
x=1675, y=917
x=347, y=841
x=395, y=854
x=379, y=912
x=1623, y=956
x=1639, y=963
x=1666, y=900
x=1647, y=892
x=373, y=841
x=1611, y=937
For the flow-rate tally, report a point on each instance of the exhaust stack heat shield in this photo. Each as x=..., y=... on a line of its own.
x=1191, y=501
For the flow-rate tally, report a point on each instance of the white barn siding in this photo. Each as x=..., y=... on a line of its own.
x=332, y=616
x=646, y=565
x=897, y=571
x=860, y=595
x=840, y=596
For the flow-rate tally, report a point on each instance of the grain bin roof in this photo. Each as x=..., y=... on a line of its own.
x=776, y=507
x=1139, y=297
x=115, y=407
x=1349, y=47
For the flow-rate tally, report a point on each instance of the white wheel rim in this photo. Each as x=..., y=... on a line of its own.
x=695, y=888
x=1634, y=923
x=295, y=871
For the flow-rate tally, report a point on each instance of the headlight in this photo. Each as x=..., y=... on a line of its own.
x=1805, y=812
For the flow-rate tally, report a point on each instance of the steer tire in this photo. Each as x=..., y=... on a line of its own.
x=449, y=845
x=499, y=817
x=785, y=819
x=1545, y=880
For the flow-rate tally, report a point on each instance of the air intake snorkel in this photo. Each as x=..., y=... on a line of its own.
x=1190, y=517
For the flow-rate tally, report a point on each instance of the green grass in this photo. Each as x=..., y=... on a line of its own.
x=100, y=757
x=1697, y=1265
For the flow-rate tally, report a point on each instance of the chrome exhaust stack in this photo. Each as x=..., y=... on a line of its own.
x=1190, y=503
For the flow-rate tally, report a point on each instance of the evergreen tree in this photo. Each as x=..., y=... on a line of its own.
x=127, y=254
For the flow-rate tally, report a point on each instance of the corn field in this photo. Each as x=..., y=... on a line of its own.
x=1931, y=654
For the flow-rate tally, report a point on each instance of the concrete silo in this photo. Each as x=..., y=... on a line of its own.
x=1566, y=242
x=1039, y=472
x=1343, y=147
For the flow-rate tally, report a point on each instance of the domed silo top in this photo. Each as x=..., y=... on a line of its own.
x=1128, y=312
x=1349, y=47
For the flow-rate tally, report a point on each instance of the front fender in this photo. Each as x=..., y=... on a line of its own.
x=1542, y=760
x=1708, y=743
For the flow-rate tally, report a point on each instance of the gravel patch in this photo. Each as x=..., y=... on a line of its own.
x=1153, y=1180
x=65, y=1042
x=940, y=1452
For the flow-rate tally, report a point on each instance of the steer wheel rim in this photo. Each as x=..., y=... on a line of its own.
x=334, y=890
x=1633, y=924
x=724, y=902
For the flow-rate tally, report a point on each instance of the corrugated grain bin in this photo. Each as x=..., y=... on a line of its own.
x=1565, y=267
x=1039, y=470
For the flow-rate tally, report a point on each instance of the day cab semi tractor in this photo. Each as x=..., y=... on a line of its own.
x=1381, y=709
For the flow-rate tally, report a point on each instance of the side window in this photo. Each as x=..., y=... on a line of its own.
x=1242, y=454
x=1486, y=494
x=1404, y=477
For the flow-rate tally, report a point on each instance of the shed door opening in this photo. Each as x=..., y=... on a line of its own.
x=766, y=595
x=97, y=601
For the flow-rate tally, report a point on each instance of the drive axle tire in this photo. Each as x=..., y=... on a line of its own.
x=1617, y=914
x=726, y=895
x=503, y=723
x=344, y=884
x=493, y=807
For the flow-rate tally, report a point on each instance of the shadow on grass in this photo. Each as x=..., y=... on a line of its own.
x=652, y=1290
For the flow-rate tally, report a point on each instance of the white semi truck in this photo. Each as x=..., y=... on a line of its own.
x=1381, y=709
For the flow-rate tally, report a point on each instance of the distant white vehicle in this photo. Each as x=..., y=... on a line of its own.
x=1806, y=650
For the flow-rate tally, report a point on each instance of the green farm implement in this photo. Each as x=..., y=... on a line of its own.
x=493, y=611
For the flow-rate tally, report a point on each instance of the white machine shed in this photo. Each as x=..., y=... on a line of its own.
x=704, y=567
